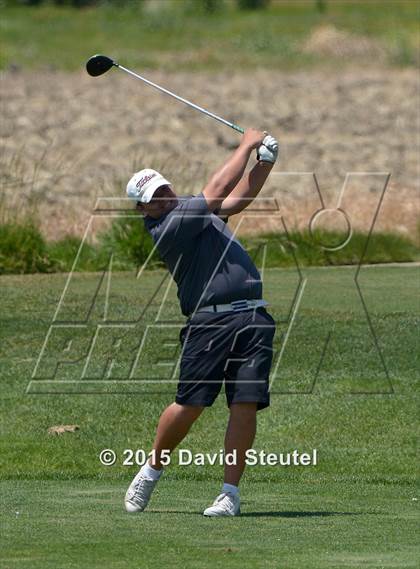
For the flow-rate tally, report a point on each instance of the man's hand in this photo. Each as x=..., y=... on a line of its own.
x=252, y=138
x=268, y=151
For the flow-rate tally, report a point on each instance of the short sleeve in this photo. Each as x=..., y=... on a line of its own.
x=186, y=221
x=192, y=217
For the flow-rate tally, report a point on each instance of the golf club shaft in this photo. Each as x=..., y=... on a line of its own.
x=196, y=107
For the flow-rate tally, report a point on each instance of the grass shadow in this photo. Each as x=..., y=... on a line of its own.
x=285, y=514
x=314, y=514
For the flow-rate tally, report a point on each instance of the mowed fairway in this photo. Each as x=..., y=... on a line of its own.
x=316, y=525
x=332, y=390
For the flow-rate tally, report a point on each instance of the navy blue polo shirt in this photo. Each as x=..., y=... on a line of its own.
x=207, y=262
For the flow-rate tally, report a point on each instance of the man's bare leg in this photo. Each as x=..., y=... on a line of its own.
x=174, y=424
x=240, y=435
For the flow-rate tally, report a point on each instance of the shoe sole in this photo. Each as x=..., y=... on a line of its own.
x=222, y=515
x=137, y=508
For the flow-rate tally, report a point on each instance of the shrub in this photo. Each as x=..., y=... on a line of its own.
x=252, y=4
x=22, y=249
x=77, y=3
x=206, y=7
x=129, y=242
x=282, y=249
x=63, y=253
x=321, y=6
x=212, y=6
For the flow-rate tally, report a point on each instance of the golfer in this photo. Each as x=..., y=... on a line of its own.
x=228, y=334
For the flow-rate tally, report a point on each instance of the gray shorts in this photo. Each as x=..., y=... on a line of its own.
x=234, y=348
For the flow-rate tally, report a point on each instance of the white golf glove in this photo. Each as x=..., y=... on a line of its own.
x=269, y=149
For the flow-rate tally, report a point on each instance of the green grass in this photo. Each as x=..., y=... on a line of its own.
x=355, y=509
x=171, y=35
x=318, y=525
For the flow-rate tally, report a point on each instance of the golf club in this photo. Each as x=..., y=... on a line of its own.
x=99, y=64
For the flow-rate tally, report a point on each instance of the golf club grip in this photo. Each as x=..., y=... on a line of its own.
x=238, y=128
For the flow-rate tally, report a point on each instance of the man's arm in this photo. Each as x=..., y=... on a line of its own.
x=228, y=176
x=246, y=190
x=251, y=183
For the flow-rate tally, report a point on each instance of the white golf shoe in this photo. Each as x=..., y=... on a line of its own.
x=138, y=493
x=226, y=504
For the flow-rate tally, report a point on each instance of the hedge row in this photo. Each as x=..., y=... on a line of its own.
x=23, y=249
x=206, y=5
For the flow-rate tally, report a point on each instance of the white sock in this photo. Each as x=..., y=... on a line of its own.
x=150, y=472
x=230, y=488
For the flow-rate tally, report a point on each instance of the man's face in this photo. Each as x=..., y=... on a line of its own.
x=163, y=200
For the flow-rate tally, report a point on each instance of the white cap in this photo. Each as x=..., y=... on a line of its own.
x=144, y=183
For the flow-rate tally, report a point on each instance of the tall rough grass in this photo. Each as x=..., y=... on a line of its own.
x=23, y=249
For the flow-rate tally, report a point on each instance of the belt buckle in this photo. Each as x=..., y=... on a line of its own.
x=238, y=305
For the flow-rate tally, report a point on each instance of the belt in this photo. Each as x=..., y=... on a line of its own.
x=234, y=306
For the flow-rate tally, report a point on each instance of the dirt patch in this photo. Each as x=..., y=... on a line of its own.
x=330, y=41
x=69, y=138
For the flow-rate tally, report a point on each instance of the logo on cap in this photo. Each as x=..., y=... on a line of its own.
x=144, y=180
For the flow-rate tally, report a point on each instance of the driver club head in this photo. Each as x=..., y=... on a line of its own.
x=99, y=64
